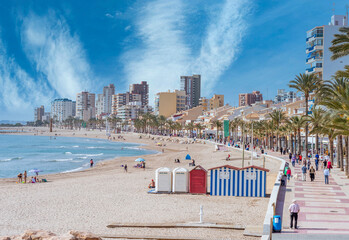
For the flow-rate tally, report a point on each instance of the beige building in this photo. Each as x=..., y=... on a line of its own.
x=85, y=105
x=168, y=103
x=216, y=101
x=122, y=99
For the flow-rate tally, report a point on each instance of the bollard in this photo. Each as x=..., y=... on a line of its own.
x=271, y=229
x=201, y=214
x=273, y=209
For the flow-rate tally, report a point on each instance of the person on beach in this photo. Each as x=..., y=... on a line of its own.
x=326, y=174
x=19, y=178
x=312, y=173
x=91, y=163
x=304, y=173
x=288, y=173
x=25, y=176
x=125, y=168
x=152, y=184
x=294, y=209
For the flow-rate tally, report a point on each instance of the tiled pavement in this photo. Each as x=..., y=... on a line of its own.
x=324, y=207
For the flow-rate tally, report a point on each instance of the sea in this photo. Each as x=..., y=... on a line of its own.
x=58, y=154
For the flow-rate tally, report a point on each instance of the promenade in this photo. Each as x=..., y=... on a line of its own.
x=324, y=207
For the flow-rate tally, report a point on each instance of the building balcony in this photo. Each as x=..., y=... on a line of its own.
x=313, y=70
x=314, y=48
x=313, y=37
x=313, y=59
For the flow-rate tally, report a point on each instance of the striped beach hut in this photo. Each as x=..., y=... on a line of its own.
x=241, y=182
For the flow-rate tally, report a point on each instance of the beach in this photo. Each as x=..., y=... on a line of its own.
x=90, y=200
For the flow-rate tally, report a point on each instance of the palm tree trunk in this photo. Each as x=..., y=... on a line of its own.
x=306, y=126
x=317, y=143
x=331, y=149
x=299, y=142
x=347, y=155
x=338, y=150
x=291, y=139
x=341, y=155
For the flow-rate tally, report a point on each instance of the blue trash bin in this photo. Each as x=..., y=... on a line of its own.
x=277, y=223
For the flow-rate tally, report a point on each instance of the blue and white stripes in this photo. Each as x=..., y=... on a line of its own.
x=246, y=182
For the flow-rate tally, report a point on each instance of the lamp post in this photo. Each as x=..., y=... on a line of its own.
x=243, y=139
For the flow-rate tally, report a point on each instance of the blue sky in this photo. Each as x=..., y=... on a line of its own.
x=51, y=49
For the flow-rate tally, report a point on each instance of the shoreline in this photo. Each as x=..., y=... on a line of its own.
x=96, y=165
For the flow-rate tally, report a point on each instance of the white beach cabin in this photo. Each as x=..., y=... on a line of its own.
x=163, y=180
x=180, y=181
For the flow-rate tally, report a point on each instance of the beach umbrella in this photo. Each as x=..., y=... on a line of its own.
x=187, y=157
x=139, y=160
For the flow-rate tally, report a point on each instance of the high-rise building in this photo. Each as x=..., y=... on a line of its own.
x=39, y=113
x=247, y=99
x=61, y=109
x=100, y=105
x=168, y=103
x=85, y=106
x=283, y=96
x=122, y=99
x=192, y=87
x=318, y=41
x=143, y=90
x=108, y=92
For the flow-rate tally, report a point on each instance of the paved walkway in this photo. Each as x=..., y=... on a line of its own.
x=324, y=207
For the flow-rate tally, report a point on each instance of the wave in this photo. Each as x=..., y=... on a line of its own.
x=61, y=160
x=88, y=155
x=76, y=146
x=134, y=148
x=73, y=170
x=10, y=159
x=69, y=153
x=81, y=157
x=76, y=161
x=96, y=147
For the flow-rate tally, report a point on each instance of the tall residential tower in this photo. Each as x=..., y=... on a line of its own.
x=318, y=54
x=192, y=87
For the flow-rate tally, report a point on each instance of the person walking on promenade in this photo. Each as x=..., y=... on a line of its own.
x=308, y=163
x=290, y=156
x=288, y=173
x=329, y=165
x=317, y=163
x=294, y=210
x=312, y=173
x=326, y=174
x=324, y=163
x=281, y=151
x=304, y=173
x=293, y=161
x=300, y=157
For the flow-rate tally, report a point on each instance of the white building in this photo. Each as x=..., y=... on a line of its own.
x=61, y=109
x=108, y=92
x=100, y=105
x=283, y=96
x=132, y=110
x=318, y=54
x=85, y=106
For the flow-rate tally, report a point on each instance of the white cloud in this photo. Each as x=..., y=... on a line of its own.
x=56, y=53
x=165, y=54
x=19, y=92
x=113, y=15
x=222, y=42
x=127, y=28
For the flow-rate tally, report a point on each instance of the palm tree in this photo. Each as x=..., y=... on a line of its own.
x=161, y=122
x=190, y=126
x=316, y=118
x=199, y=128
x=277, y=116
x=296, y=124
x=306, y=83
x=340, y=44
x=218, y=125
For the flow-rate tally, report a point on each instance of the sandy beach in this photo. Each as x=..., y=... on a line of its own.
x=89, y=200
